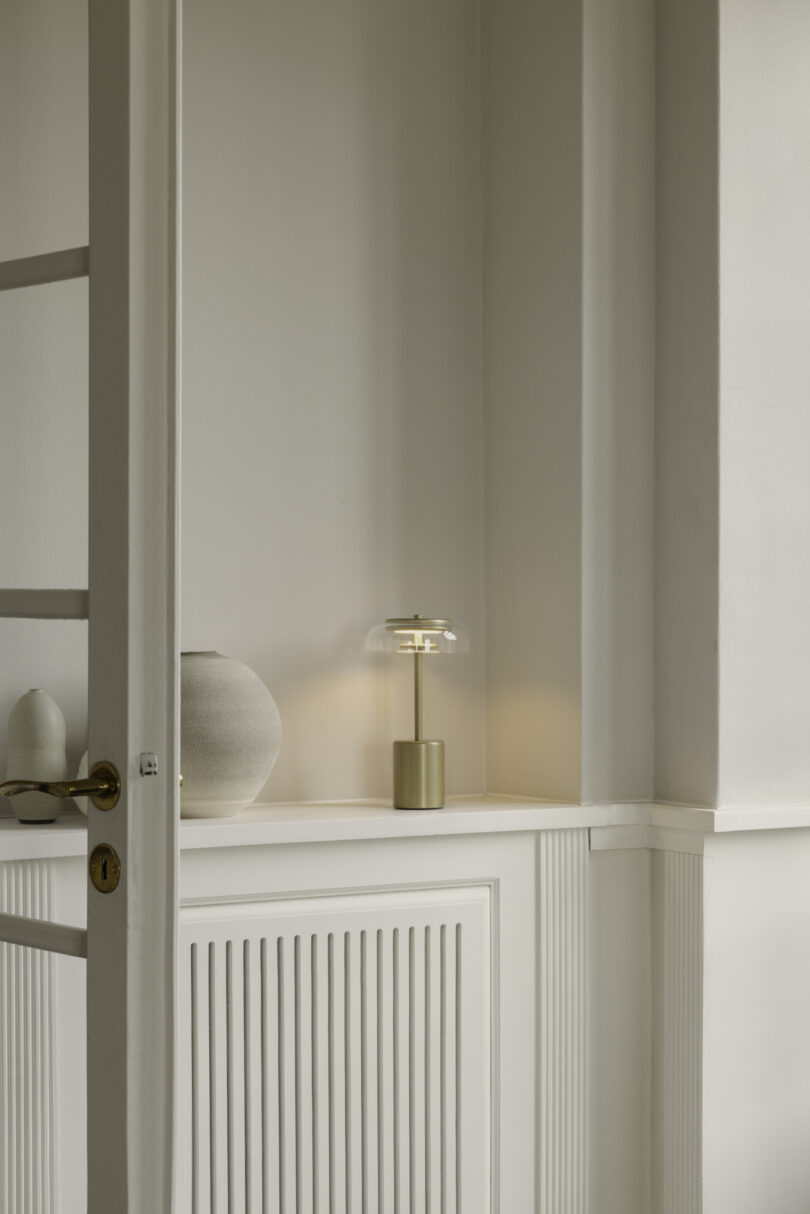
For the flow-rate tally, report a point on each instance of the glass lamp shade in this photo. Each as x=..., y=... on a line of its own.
x=416, y=634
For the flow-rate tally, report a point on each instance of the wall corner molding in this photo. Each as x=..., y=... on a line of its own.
x=654, y=838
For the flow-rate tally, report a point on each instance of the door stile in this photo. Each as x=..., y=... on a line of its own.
x=133, y=598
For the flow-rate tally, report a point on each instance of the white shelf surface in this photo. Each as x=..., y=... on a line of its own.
x=333, y=821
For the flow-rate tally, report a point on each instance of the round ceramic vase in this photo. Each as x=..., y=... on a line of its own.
x=36, y=751
x=230, y=735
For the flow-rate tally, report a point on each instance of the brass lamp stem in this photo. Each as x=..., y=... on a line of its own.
x=417, y=697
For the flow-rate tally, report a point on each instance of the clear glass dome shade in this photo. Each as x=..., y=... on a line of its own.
x=417, y=634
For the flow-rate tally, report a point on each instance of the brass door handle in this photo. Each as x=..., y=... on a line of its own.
x=103, y=786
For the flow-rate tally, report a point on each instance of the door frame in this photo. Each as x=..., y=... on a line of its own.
x=134, y=595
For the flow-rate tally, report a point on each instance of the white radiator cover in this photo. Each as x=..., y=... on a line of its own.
x=451, y=1052
x=339, y=1054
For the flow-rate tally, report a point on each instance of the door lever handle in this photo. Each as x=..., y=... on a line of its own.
x=103, y=786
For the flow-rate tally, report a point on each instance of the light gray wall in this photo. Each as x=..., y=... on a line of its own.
x=337, y=339
x=618, y=389
x=686, y=438
x=332, y=399
x=332, y=428
x=569, y=396
x=756, y=1008
x=732, y=423
x=43, y=348
x=533, y=391
x=333, y=446
x=764, y=402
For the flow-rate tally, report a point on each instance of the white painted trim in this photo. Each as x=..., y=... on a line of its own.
x=66, y=837
x=612, y=827
x=668, y=824
x=264, y=825
x=42, y=934
x=316, y=902
x=655, y=838
x=619, y=838
x=44, y=604
x=723, y=819
x=684, y=841
x=44, y=268
x=331, y=822
x=729, y=819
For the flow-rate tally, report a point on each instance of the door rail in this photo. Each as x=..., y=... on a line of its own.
x=41, y=933
x=45, y=267
x=44, y=604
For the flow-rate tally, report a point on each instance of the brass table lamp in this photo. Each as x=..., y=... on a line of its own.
x=418, y=764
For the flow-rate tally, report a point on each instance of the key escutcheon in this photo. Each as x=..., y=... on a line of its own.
x=105, y=868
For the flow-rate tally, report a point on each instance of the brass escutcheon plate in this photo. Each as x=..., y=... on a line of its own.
x=105, y=868
x=106, y=772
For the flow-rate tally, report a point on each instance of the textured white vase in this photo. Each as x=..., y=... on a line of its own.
x=230, y=735
x=36, y=751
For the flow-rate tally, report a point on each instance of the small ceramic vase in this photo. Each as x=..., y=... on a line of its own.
x=36, y=751
x=230, y=735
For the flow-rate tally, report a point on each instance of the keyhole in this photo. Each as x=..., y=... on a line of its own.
x=105, y=868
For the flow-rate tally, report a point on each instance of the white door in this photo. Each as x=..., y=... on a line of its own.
x=131, y=602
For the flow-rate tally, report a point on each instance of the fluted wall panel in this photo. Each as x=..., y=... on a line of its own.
x=562, y=1004
x=679, y=1009
x=27, y=1051
x=338, y=1056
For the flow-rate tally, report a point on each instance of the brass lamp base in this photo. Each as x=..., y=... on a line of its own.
x=418, y=775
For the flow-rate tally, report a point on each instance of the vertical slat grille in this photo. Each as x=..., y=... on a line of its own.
x=27, y=1098
x=680, y=1017
x=328, y=1068
x=562, y=1002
